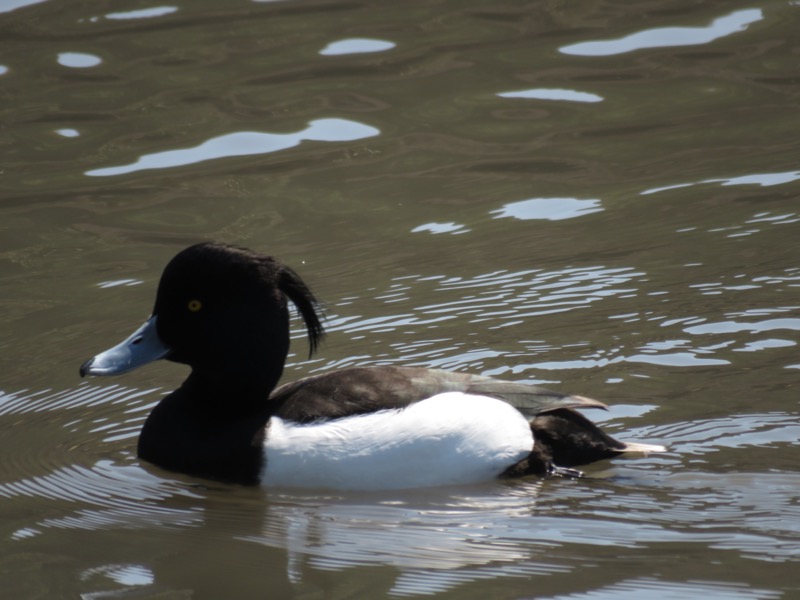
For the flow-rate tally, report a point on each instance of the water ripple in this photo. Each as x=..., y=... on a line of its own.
x=499, y=296
x=437, y=541
x=105, y=491
x=443, y=331
x=642, y=587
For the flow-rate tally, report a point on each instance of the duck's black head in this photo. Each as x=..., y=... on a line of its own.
x=218, y=305
x=223, y=311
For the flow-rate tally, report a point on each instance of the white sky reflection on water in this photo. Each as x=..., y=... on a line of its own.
x=550, y=209
x=68, y=133
x=244, y=143
x=760, y=179
x=553, y=94
x=78, y=60
x=356, y=46
x=145, y=13
x=662, y=37
x=9, y=5
x=449, y=227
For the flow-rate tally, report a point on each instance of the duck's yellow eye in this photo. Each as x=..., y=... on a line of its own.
x=194, y=305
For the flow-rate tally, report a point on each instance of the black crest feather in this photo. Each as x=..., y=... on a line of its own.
x=307, y=304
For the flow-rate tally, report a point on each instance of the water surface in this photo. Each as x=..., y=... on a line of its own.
x=600, y=198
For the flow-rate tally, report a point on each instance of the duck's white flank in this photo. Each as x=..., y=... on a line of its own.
x=450, y=438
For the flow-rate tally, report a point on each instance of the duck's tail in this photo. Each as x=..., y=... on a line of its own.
x=641, y=448
x=569, y=439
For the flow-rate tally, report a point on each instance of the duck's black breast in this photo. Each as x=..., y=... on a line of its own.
x=187, y=434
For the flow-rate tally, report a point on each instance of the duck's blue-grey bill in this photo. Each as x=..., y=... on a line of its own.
x=142, y=347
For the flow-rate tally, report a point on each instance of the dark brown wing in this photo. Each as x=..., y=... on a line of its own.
x=360, y=390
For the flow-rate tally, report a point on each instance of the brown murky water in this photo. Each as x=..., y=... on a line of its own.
x=603, y=197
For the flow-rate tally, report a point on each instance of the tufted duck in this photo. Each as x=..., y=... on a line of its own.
x=223, y=311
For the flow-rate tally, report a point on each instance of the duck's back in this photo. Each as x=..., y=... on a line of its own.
x=360, y=390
